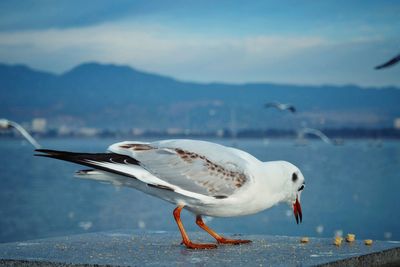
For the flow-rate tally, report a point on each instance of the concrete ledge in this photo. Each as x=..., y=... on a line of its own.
x=134, y=248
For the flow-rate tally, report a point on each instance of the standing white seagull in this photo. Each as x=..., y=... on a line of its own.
x=202, y=177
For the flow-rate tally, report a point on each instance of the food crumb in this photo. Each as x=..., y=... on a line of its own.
x=350, y=237
x=304, y=240
x=338, y=241
x=368, y=242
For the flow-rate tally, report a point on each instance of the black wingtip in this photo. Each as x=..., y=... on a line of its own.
x=43, y=152
x=40, y=151
x=90, y=159
x=55, y=153
x=49, y=151
x=47, y=156
x=389, y=63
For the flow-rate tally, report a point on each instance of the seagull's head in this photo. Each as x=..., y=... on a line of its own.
x=293, y=184
x=4, y=124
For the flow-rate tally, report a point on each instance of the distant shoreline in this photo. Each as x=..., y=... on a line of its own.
x=333, y=133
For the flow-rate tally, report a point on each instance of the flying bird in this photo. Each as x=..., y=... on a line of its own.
x=304, y=131
x=202, y=177
x=281, y=106
x=389, y=63
x=6, y=124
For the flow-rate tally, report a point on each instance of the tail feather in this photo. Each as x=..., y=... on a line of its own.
x=91, y=159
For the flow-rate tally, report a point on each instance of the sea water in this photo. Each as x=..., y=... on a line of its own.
x=352, y=188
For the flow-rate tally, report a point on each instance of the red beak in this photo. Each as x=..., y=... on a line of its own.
x=297, y=211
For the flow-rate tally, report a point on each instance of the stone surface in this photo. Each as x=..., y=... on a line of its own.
x=158, y=248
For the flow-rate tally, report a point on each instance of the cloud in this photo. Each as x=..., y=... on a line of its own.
x=185, y=55
x=151, y=47
x=39, y=14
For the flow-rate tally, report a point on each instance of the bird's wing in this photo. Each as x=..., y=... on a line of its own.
x=389, y=63
x=195, y=166
x=108, y=162
x=272, y=105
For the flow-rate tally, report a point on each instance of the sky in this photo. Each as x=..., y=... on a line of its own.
x=293, y=42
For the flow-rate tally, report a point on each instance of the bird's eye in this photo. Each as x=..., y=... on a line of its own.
x=294, y=177
x=301, y=188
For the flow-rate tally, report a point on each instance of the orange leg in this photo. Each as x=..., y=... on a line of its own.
x=220, y=239
x=185, y=237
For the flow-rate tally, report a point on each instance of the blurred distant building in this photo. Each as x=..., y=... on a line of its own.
x=174, y=131
x=396, y=123
x=138, y=131
x=39, y=125
x=220, y=133
x=87, y=131
x=64, y=130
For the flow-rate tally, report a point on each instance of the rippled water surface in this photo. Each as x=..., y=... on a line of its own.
x=350, y=188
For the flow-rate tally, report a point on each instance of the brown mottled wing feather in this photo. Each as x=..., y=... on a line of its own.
x=189, y=170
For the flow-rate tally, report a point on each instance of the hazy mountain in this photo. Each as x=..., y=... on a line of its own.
x=110, y=96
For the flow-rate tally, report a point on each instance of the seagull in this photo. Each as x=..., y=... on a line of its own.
x=389, y=63
x=304, y=131
x=205, y=178
x=6, y=124
x=281, y=106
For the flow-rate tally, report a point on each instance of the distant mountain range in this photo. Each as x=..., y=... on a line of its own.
x=111, y=96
